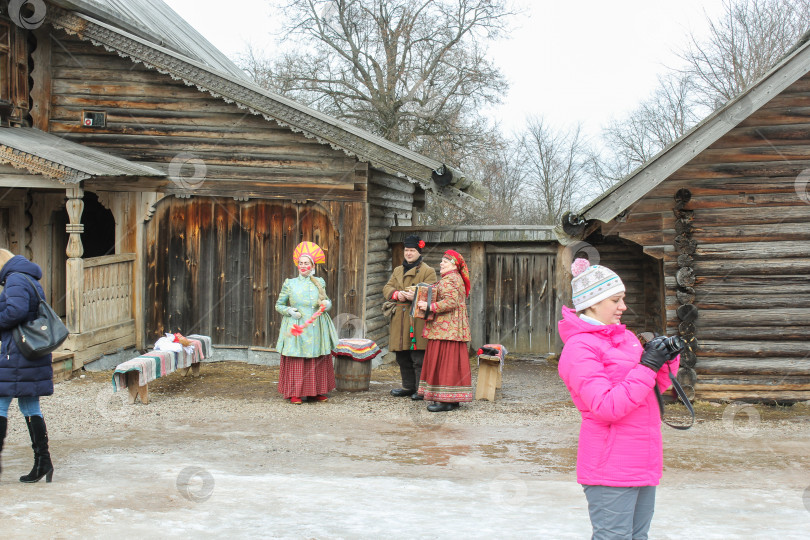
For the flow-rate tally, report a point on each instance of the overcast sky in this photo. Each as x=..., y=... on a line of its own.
x=586, y=61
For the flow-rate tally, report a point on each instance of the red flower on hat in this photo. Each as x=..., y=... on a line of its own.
x=421, y=244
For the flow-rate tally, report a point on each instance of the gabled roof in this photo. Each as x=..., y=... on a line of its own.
x=618, y=198
x=54, y=157
x=380, y=153
x=157, y=23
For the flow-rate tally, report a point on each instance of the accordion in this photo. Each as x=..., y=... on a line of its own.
x=426, y=292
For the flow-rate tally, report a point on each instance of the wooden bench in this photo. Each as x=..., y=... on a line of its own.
x=136, y=374
x=489, y=377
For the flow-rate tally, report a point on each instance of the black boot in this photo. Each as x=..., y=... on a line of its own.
x=440, y=407
x=406, y=372
x=3, y=431
x=42, y=457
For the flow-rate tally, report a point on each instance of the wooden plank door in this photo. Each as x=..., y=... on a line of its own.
x=216, y=266
x=520, y=301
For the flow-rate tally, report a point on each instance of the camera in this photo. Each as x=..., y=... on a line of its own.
x=674, y=344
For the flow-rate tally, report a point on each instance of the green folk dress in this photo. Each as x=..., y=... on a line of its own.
x=318, y=339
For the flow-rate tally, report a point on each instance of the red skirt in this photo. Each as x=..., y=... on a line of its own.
x=302, y=377
x=446, y=372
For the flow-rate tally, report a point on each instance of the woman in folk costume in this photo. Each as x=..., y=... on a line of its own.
x=446, y=377
x=405, y=339
x=306, y=359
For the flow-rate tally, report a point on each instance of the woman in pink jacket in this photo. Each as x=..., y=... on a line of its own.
x=611, y=379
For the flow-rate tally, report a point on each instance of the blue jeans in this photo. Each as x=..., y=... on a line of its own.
x=29, y=405
x=620, y=513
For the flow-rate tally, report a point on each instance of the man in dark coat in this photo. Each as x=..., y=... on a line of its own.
x=20, y=377
x=405, y=339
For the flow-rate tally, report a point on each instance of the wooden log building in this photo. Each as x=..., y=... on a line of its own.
x=160, y=190
x=723, y=214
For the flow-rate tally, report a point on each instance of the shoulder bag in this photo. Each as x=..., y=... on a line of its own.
x=44, y=334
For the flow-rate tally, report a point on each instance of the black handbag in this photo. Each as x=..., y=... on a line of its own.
x=44, y=334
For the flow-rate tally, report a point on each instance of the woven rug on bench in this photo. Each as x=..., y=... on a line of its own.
x=156, y=364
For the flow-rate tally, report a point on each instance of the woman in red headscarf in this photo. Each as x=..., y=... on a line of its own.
x=446, y=377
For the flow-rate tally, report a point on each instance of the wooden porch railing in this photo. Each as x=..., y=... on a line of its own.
x=104, y=292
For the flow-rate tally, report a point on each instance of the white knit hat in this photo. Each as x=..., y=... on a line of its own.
x=592, y=284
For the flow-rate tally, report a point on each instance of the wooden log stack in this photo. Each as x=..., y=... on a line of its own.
x=687, y=312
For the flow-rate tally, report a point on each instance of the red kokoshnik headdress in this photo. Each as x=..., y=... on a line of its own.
x=462, y=268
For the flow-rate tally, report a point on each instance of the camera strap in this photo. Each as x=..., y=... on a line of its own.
x=681, y=395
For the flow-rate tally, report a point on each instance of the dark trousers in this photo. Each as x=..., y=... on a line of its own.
x=410, y=367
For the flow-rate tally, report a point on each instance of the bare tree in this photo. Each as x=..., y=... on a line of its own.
x=412, y=71
x=661, y=119
x=748, y=39
x=743, y=44
x=556, y=166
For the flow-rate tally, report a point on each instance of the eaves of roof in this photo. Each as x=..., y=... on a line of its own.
x=45, y=154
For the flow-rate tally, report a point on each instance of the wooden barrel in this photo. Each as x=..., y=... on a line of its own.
x=352, y=376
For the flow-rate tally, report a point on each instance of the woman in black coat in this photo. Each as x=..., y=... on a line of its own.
x=20, y=377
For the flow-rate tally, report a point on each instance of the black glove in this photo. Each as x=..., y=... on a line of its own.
x=655, y=354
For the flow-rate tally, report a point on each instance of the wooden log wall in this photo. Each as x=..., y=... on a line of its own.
x=750, y=200
x=390, y=203
x=156, y=120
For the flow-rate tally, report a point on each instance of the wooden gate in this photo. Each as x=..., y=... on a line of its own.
x=216, y=266
x=520, y=303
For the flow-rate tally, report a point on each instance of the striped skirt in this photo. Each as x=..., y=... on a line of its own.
x=446, y=375
x=302, y=377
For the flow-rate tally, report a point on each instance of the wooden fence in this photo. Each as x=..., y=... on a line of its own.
x=106, y=291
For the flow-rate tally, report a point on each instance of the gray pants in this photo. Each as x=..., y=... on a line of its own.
x=410, y=367
x=620, y=513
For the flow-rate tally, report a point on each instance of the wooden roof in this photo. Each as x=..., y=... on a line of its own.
x=476, y=233
x=54, y=157
x=156, y=22
x=380, y=153
x=641, y=181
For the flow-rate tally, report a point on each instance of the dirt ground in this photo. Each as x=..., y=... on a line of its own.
x=223, y=455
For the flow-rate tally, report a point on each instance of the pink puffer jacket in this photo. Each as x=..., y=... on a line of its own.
x=620, y=437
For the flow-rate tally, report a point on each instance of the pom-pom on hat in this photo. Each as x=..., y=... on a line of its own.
x=413, y=241
x=311, y=250
x=592, y=284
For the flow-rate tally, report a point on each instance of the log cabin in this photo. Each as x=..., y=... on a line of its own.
x=713, y=232
x=160, y=190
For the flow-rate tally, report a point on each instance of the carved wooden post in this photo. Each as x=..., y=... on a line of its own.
x=75, y=264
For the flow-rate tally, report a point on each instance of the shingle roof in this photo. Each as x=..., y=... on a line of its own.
x=54, y=157
x=156, y=22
